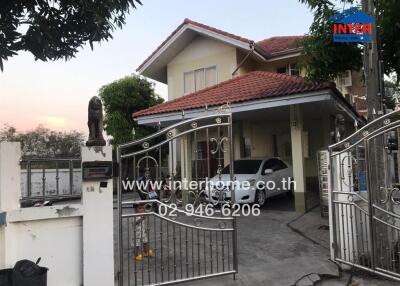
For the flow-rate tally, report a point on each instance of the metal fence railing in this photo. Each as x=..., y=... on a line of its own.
x=50, y=179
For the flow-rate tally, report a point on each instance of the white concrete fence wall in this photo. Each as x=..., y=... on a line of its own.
x=74, y=240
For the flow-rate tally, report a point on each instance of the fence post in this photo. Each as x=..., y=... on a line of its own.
x=10, y=188
x=98, y=239
x=10, y=175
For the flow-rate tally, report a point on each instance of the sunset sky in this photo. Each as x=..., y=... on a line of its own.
x=56, y=94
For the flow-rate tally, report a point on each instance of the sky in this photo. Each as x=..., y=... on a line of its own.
x=56, y=94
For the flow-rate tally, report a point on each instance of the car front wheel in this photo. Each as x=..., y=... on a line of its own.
x=260, y=198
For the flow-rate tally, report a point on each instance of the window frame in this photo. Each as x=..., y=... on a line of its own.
x=194, y=76
x=290, y=68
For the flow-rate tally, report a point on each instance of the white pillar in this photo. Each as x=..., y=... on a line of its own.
x=10, y=175
x=10, y=188
x=297, y=141
x=98, y=240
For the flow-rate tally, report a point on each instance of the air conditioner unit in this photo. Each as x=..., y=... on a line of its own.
x=345, y=79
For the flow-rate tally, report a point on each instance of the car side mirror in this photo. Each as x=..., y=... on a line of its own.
x=268, y=171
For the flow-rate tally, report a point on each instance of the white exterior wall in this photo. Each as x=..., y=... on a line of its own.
x=261, y=137
x=202, y=52
x=47, y=234
x=74, y=240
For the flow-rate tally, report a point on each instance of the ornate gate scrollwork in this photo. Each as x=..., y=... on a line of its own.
x=365, y=197
x=174, y=241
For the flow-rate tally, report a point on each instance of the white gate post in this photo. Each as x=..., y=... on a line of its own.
x=10, y=188
x=98, y=239
x=10, y=175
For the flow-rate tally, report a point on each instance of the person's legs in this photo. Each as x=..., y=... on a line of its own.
x=138, y=243
x=146, y=246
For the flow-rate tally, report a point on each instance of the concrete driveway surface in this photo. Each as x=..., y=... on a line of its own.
x=285, y=248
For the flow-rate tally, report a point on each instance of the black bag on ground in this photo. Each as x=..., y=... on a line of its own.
x=5, y=277
x=28, y=273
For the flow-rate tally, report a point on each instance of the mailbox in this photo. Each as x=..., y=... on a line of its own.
x=97, y=170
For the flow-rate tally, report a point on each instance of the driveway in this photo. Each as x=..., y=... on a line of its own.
x=271, y=253
x=281, y=246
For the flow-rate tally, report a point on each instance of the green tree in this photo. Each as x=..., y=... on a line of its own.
x=54, y=29
x=121, y=98
x=325, y=60
x=42, y=142
x=392, y=93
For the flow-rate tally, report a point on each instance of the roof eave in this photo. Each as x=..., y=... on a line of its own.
x=323, y=94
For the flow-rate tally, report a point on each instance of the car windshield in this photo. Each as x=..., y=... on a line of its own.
x=244, y=167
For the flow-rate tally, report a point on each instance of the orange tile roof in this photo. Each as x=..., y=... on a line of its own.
x=280, y=44
x=270, y=45
x=251, y=86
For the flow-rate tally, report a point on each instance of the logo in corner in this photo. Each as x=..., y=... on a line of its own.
x=352, y=26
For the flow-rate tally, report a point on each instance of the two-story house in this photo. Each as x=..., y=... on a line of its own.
x=276, y=113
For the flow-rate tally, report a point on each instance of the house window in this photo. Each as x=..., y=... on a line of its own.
x=199, y=79
x=289, y=69
x=293, y=69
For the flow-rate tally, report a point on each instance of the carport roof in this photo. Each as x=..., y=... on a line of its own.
x=248, y=87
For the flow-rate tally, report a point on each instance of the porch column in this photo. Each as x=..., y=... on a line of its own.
x=186, y=165
x=297, y=142
x=238, y=139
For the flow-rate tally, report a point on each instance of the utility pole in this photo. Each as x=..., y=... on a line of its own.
x=373, y=66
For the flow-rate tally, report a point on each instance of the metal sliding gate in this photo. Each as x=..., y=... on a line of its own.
x=365, y=197
x=168, y=232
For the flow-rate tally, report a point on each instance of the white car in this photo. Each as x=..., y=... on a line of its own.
x=255, y=180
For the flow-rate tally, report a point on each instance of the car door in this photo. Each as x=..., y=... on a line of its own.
x=279, y=171
x=272, y=177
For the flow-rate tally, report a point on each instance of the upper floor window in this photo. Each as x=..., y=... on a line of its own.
x=289, y=69
x=345, y=79
x=199, y=79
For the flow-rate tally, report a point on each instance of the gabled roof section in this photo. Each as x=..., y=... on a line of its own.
x=251, y=86
x=197, y=24
x=155, y=65
x=281, y=45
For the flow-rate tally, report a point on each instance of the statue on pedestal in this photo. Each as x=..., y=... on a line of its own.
x=95, y=123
